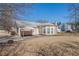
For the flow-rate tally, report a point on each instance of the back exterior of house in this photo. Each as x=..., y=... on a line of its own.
x=26, y=28
x=41, y=29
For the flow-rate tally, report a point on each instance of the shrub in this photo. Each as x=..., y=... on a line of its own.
x=68, y=31
x=13, y=33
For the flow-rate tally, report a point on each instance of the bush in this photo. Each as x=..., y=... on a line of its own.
x=13, y=33
x=68, y=31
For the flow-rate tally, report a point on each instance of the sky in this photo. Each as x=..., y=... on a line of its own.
x=51, y=12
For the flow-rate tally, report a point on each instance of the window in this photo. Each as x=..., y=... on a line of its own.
x=51, y=30
x=48, y=30
x=44, y=30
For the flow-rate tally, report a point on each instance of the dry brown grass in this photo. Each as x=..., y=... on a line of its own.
x=66, y=45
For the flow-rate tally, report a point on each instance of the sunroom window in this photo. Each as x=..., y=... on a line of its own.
x=48, y=30
x=51, y=30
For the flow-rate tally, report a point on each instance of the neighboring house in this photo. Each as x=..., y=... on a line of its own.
x=67, y=27
x=1, y=29
x=3, y=32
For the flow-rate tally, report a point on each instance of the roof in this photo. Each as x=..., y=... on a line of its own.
x=23, y=24
x=46, y=24
x=28, y=24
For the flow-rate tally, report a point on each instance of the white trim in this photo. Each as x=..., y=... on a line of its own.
x=50, y=30
x=46, y=30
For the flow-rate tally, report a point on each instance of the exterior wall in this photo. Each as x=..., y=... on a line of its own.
x=42, y=30
x=58, y=29
x=48, y=30
x=68, y=27
x=55, y=30
x=24, y=31
x=35, y=31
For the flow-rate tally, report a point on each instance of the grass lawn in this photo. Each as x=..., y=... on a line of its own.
x=62, y=45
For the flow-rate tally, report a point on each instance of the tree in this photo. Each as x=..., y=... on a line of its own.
x=74, y=14
x=63, y=27
x=6, y=18
x=8, y=12
x=58, y=23
x=42, y=21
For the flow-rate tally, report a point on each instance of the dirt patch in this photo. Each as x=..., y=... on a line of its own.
x=43, y=46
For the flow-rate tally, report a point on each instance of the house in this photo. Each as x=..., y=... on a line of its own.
x=3, y=32
x=27, y=28
x=38, y=29
x=68, y=27
x=47, y=29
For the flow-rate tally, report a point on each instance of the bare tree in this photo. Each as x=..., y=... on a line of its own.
x=6, y=18
x=8, y=12
x=42, y=21
x=74, y=14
